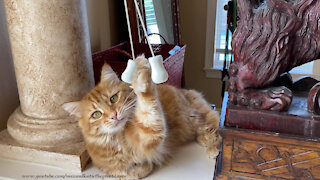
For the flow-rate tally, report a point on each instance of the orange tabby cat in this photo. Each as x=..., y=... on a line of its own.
x=128, y=131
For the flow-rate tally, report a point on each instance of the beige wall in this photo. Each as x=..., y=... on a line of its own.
x=106, y=24
x=99, y=24
x=193, y=31
x=8, y=87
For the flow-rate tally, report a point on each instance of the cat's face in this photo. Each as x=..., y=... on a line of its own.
x=107, y=108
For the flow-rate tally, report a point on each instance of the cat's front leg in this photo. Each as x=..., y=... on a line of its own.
x=149, y=118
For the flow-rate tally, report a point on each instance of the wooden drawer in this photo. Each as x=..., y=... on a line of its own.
x=261, y=155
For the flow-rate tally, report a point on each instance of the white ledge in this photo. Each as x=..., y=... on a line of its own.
x=212, y=73
x=190, y=162
x=296, y=76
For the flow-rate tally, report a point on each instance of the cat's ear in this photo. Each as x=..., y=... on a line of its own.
x=73, y=108
x=108, y=74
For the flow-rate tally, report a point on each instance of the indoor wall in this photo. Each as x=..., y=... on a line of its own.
x=8, y=87
x=107, y=23
x=193, y=16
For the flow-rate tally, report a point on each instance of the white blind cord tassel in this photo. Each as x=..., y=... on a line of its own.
x=158, y=72
x=128, y=74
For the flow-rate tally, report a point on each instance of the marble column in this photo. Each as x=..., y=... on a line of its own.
x=52, y=59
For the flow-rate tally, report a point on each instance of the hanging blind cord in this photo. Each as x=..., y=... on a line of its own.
x=143, y=27
x=129, y=28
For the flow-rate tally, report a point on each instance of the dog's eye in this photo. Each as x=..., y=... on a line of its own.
x=114, y=98
x=96, y=115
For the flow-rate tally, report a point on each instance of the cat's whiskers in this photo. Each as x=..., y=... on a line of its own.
x=130, y=104
x=127, y=106
x=123, y=112
x=128, y=97
x=125, y=101
x=132, y=101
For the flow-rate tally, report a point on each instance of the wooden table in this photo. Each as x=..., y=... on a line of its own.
x=278, y=150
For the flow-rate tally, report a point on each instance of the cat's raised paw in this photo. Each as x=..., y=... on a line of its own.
x=142, y=62
x=142, y=83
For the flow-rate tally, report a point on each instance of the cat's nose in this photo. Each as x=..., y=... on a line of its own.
x=114, y=116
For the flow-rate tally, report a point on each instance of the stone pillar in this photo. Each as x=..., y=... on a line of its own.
x=52, y=59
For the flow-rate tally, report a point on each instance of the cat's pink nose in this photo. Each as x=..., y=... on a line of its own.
x=114, y=116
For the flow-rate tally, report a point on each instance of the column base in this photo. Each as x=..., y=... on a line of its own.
x=43, y=133
x=68, y=156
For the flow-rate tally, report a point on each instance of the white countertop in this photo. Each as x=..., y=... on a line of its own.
x=189, y=163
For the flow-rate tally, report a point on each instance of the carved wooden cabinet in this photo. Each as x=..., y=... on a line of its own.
x=260, y=155
x=253, y=153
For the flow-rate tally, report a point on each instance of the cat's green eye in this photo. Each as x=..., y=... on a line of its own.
x=114, y=98
x=96, y=115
